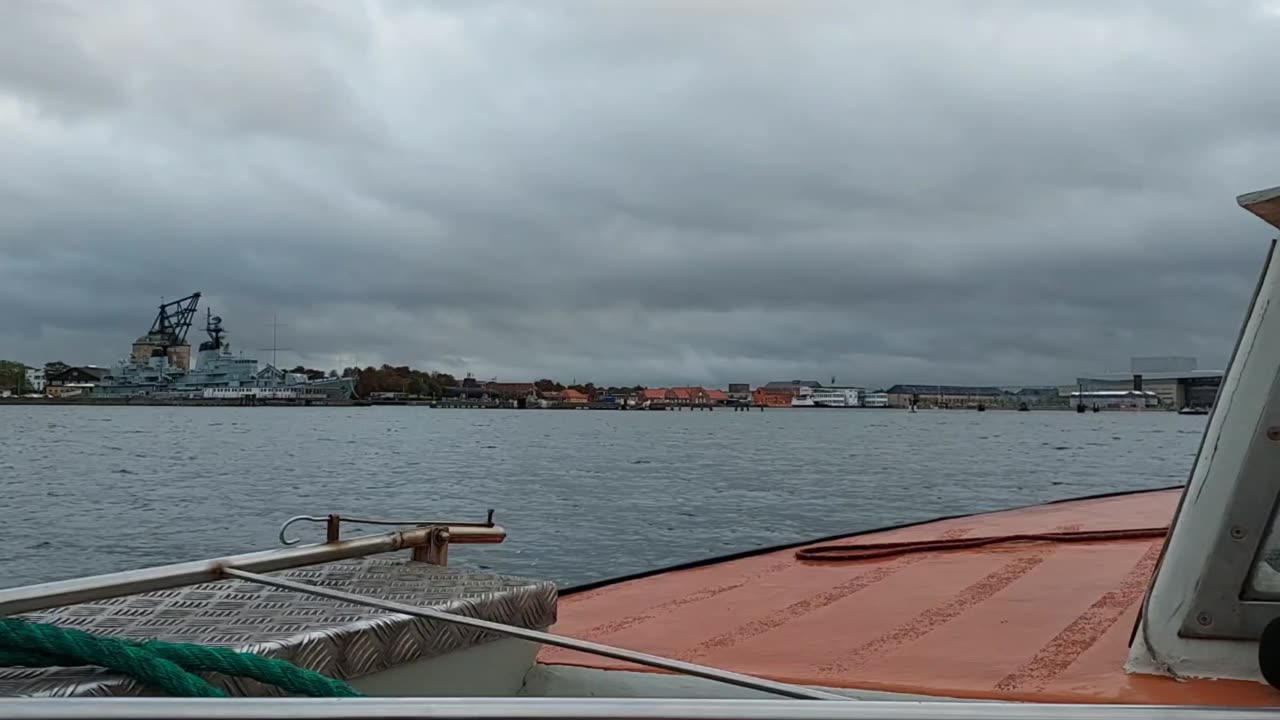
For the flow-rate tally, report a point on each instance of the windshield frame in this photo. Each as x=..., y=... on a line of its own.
x=1198, y=609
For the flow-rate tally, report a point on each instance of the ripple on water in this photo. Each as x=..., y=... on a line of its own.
x=583, y=495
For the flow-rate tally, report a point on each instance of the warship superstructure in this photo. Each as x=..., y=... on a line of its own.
x=159, y=366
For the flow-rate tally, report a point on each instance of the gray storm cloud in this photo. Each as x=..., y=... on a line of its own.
x=644, y=192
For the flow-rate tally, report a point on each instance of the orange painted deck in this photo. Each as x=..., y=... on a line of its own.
x=1032, y=621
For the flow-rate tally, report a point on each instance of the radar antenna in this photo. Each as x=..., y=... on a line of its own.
x=213, y=326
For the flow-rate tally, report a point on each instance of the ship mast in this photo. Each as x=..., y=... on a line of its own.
x=213, y=327
x=275, y=345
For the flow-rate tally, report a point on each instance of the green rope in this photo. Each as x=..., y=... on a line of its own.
x=169, y=667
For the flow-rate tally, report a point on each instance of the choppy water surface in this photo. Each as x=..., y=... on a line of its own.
x=584, y=495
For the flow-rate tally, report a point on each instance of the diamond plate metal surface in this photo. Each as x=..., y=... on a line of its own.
x=338, y=639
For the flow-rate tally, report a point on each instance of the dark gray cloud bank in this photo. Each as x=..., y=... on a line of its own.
x=651, y=192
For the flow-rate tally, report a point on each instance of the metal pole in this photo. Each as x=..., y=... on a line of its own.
x=639, y=658
x=100, y=587
x=532, y=708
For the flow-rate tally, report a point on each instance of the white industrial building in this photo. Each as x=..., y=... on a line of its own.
x=35, y=380
x=1175, y=381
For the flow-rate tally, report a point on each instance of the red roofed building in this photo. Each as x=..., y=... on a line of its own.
x=651, y=396
x=567, y=396
x=574, y=397
x=678, y=396
x=696, y=395
x=717, y=397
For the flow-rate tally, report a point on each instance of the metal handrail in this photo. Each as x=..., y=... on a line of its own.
x=334, y=524
x=527, y=708
x=247, y=567
x=165, y=577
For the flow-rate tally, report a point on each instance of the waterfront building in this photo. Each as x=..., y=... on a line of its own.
x=567, y=396
x=678, y=396
x=1117, y=399
x=521, y=394
x=1175, y=380
x=651, y=397
x=692, y=396
x=944, y=396
x=773, y=397
x=792, y=386
x=876, y=399
x=35, y=380
x=75, y=381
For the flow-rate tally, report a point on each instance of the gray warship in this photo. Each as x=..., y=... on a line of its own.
x=160, y=367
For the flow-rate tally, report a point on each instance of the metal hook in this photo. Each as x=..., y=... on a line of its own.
x=297, y=518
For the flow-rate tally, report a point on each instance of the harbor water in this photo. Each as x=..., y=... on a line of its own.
x=584, y=495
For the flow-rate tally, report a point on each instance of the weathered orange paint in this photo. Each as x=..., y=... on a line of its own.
x=1046, y=622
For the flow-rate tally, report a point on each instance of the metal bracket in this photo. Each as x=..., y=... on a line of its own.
x=436, y=549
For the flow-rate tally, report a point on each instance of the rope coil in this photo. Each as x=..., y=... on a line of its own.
x=168, y=667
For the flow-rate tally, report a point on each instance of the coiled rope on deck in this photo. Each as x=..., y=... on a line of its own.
x=167, y=667
x=852, y=552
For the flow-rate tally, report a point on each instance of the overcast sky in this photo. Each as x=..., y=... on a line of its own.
x=654, y=192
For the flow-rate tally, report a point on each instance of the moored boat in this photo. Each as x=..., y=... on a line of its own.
x=828, y=397
x=1160, y=598
x=838, y=397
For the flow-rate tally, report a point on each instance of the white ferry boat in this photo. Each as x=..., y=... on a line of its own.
x=838, y=397
x=829, y=397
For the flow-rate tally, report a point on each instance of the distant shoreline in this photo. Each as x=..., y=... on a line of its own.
x=446, y=405
x=175, y=402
